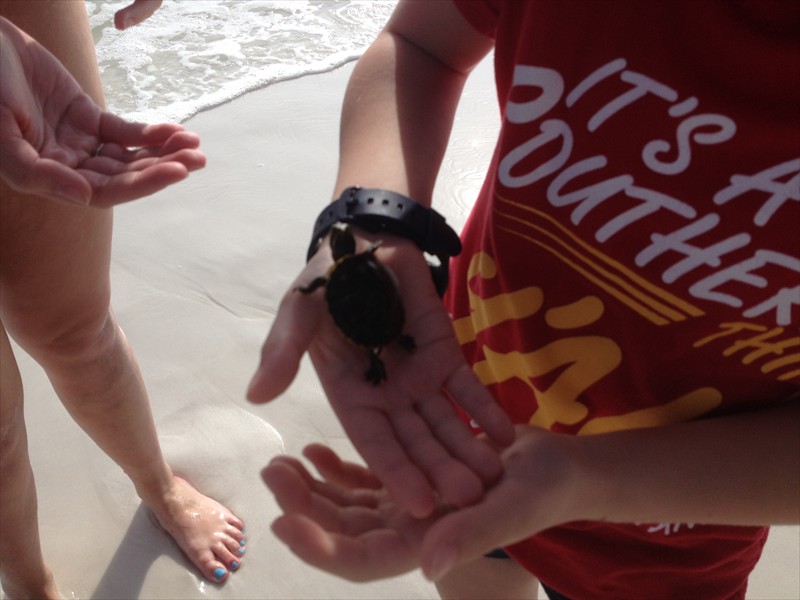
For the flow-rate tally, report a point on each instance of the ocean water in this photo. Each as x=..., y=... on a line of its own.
x=195, y=54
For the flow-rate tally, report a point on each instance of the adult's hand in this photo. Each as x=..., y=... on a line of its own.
x=406, y=427
x=135, y=13
x=57, y=143
x=347, y=524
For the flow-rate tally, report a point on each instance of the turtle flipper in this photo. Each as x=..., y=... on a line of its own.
x=315, y=284
x=377, y=371
x=406, y=342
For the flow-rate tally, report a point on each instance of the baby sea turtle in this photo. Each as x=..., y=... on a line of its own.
x=363, y=300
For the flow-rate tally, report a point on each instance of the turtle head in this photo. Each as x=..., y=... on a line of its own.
x=342, y=241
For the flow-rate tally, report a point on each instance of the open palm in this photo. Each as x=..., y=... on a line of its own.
x=406, y=427
x=347, y=524
x=57, y=143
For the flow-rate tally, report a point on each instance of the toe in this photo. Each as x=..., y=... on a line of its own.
x=216, y=572
x=234, y=521
x=236, y=548
x=225, y=552
x=235, y=533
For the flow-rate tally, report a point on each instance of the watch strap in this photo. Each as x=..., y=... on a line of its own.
x=377, y=210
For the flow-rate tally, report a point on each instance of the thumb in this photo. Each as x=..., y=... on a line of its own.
x=294, y=328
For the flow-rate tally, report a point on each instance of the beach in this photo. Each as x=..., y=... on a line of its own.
x=198, y=273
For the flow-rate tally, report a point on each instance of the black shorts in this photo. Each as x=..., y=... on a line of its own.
x=551, y=593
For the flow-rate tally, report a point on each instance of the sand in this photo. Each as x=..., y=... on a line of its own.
x=198, y=271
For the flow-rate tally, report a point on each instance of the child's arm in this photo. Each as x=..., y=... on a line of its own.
x=402, y=97
x=396, y=121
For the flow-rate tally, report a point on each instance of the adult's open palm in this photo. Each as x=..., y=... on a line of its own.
x=56, y=142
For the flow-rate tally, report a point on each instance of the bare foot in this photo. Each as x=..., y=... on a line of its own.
x=45, y=590
x=209, y=534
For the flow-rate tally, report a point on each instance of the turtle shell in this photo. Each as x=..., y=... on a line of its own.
x=364, y=302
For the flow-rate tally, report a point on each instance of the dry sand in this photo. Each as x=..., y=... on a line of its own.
x=198, y=272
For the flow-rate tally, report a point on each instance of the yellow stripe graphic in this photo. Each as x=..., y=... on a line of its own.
x=625, y=299
x=649, y=300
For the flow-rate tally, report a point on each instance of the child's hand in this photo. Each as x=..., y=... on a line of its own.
x=405, y=428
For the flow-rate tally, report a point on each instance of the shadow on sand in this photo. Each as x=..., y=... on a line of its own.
x=144, y=543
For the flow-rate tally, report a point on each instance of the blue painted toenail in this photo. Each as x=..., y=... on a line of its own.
x=240, y=551
x=234, y=565
x=219, y=574
x=241, y=542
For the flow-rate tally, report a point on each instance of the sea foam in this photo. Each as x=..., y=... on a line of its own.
x=195, y=54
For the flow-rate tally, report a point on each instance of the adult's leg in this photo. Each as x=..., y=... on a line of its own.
x=54, y=279
x=485, y=578
x=20, y=551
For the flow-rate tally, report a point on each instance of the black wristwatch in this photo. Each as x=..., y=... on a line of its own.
x=381, y=210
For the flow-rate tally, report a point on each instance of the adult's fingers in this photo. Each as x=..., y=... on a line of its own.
x=26, y=172
x=131, y=185
x=132, y=134
x=115, y=162
x=135, y=13
x=176, y=142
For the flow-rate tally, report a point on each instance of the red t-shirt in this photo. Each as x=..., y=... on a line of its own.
x=633, y=259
